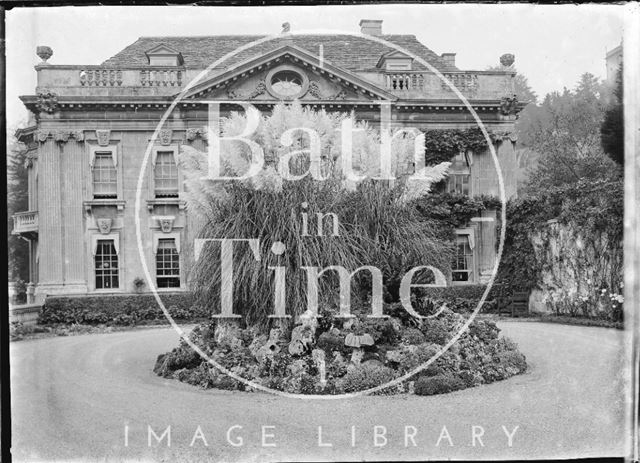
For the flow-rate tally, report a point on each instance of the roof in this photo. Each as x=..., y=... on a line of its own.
x=345, y=51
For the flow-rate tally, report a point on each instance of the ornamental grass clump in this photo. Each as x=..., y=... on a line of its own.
x=367, y=222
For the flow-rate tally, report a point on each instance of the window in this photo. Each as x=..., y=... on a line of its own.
x=167, y=264
x=106, y=265
x=105, y=177
x=166, y=175
x=462, y=266
x=286, y=83
x=458, y=183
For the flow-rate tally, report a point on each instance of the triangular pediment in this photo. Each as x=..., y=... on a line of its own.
x=287, y=73
x=162, y=49
x=391, y=56
x=165, y=52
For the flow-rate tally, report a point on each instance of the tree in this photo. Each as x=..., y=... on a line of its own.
x=612, y=129
x=565, y=130
x=17, y=201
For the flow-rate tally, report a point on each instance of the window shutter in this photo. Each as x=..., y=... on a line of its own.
x=469, y=233
x=158, y=236
x=114, y=156
x=154, y=155
x=115, y=237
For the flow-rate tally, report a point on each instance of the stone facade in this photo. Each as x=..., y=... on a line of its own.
x=613, y=60
x=93, y=121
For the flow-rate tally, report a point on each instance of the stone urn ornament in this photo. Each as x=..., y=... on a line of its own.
x=507, y=59
x=44, y=53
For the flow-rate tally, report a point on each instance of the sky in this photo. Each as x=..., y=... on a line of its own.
x=553, y=45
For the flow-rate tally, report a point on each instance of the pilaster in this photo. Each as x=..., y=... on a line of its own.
x=51, y=259
x=73, y=159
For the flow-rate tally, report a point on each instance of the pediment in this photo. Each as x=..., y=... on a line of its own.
x=286, y=74
x=162, y=51
x=394, y=56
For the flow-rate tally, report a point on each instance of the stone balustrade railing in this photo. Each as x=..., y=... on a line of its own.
x=105, y=81
x=114, y=78
x=404, y=81
x=464, y=81
x=101, y=77
x=25, y=221
x=161, y=78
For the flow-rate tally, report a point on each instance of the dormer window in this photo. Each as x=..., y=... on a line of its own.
x=395, y=61
x=163, y=55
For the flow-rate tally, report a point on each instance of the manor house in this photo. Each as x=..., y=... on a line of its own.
x=92, y=125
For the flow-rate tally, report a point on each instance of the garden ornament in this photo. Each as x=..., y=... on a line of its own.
x=357, y=341
x=268, y=350
x=296, y=347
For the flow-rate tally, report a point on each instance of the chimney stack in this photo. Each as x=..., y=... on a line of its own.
x=371, y=26
x=449, y=58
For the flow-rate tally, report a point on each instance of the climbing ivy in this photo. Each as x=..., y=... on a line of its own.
x=592, y=207
x=443, y=144
x=453, y=210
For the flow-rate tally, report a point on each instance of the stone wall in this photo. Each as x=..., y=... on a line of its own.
x=576, y=266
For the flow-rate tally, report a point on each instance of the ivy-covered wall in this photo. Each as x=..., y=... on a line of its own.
x=441, y=145
x=565, y=248
x=581, y=271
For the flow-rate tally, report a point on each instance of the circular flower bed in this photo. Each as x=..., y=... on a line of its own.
x=333, y=356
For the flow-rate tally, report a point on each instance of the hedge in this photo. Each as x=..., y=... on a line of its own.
x=462, y=298
x=143, y=308
x=119, y=309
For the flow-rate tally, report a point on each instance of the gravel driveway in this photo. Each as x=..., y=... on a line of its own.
x=75, y=397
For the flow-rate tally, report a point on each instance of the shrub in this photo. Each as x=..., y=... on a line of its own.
x=17, y=330
x=365, y=376
x=119, y=309
x=485, y=330
x=513, y=361
x=459, y=298
x=440, y=384
x=435, y=331
x=413, y=336
x=383, y=331
x=180, y=357
x=412, y=357
x=331, y=343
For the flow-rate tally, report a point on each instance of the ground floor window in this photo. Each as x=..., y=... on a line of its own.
x=462, y=266
x=106, y=265
x=167, y=264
